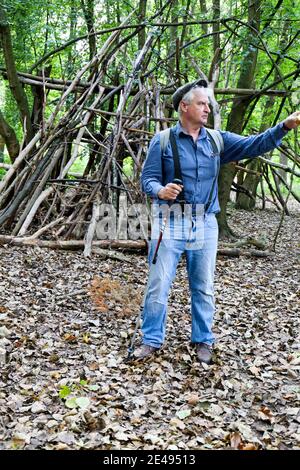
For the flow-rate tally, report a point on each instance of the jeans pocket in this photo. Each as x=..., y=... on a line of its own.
x=211, y=222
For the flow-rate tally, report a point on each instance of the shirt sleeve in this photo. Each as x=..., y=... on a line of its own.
x=237, y=147
x=151, y=177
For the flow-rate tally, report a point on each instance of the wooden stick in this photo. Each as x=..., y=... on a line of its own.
x=108, y=244
x=279, y=165
x=246, y=170
x=44, y=229
x=72, y=244
x=91, y=230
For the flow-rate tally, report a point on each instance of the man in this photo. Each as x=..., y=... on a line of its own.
x=199, y=164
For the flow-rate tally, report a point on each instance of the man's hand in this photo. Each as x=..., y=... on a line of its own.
x=170, y=192
x=292, y=121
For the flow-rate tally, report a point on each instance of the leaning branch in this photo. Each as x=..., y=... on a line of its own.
x=279, y=165
x=61, y=85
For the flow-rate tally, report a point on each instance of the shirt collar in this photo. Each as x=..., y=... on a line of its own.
x=180, y=130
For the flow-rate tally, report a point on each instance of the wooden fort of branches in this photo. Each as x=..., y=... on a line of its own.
x=40, y=197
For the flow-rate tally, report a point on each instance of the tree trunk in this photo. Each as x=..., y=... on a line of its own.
x=88, y=11
x=72, y=34
x=37, y=115
x=142, y=16
x=14, y=83
x=2, y=147
x=216, y=26
x=203, y=9
x=236, y=117
x=9, y=138
x=283, y=161
x=251, y=181
x=173, y=38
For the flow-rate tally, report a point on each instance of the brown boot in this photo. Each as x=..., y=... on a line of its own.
x=204, y=352
x=143, y=352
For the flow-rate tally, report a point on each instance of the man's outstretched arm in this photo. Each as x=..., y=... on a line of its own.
x=237, y=147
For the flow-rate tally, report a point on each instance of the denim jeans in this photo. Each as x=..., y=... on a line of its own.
x=200, y=267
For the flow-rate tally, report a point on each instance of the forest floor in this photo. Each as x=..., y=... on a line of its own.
x=64, y=383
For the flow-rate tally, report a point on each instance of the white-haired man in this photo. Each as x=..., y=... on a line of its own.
x=199, y=165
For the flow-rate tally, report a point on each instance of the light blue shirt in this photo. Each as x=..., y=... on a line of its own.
x=199, y=164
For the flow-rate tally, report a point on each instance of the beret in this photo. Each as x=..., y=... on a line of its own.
x=180, y=92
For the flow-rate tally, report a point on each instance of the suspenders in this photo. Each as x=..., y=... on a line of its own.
x=217, y=143
x=177, y=168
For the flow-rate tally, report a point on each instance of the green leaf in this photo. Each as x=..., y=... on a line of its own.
x=94, y=388
x=72, y=403
x=64, y=392
x=182, y=414
x=83, y=402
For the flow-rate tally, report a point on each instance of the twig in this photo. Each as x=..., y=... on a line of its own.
x=91, y=230
x=279, y=165
x=288, y=195
x=44, y=229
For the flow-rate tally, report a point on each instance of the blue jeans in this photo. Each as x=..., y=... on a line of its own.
x=200, y=267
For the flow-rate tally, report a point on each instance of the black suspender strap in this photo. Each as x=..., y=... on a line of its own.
x=177, y=169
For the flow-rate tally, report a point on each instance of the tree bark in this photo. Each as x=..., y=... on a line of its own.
x=142, y=16
x=237, y=115
x=9, y=138
x=72, y=33
x=14, y=83
x=251, y=181
x=39, y=102
x=203, y=9
x=173, y=38
x=2, y=147
x=88, y=11
x=216, y=26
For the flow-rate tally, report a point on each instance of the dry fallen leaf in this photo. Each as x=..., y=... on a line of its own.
x=235, y=440
x=193, y=399
x=248, y=446
x=247, y=400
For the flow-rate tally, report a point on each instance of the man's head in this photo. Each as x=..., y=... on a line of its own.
x=192, y=103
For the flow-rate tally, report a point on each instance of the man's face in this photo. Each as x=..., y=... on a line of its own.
x=198, y=110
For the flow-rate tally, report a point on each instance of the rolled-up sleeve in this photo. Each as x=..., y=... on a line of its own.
x=237, y=147
x=151, y=178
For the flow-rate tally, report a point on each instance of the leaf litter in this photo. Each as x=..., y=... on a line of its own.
x=65, y=325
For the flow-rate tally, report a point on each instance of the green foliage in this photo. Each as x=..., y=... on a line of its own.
x=80, y=402
x=128, y=166
x=39, y=27
x=64, y=392
x=68, y=393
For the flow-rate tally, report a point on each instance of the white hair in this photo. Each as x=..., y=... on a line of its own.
x=188, y=97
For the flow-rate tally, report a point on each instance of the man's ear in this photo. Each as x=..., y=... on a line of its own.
x=183, y=106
